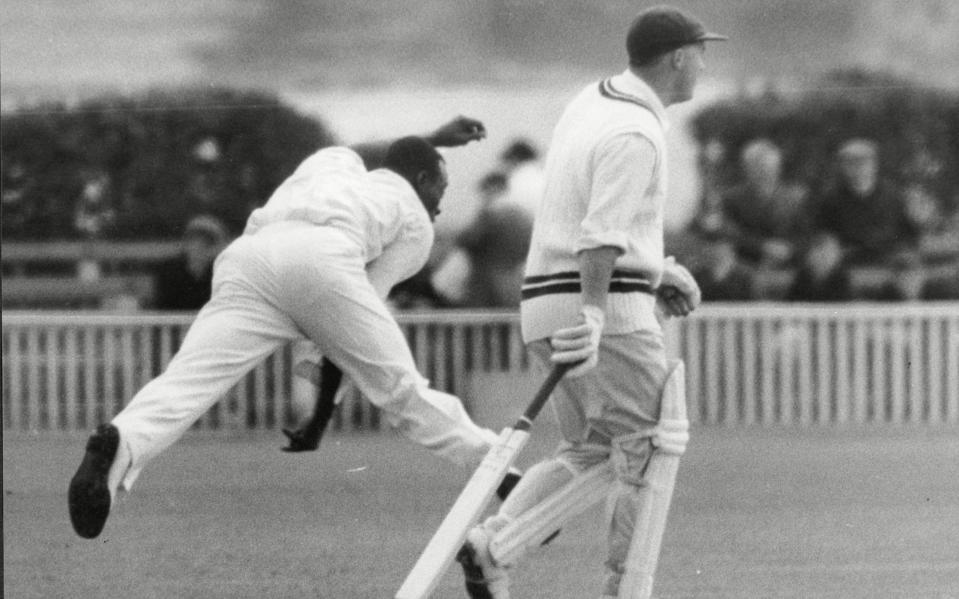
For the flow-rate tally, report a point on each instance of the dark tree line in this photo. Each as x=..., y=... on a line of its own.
x=139, y=167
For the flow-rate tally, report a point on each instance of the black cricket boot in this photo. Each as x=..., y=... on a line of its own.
x=89, y=495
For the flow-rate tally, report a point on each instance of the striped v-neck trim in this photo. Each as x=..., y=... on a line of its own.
x=607, y=90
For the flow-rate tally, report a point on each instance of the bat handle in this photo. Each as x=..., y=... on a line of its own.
x=542, y=395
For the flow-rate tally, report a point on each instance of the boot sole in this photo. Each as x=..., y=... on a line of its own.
x=89, y=495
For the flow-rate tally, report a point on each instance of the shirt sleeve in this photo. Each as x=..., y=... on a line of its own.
x=402, y=258
x=623, y=170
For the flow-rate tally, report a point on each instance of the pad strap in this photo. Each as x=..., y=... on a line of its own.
x=671, y=436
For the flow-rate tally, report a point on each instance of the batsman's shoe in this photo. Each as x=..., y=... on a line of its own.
x=484, y=579
x=89, y=495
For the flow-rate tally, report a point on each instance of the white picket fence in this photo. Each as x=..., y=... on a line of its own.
x=844, y=363
x=767, y=364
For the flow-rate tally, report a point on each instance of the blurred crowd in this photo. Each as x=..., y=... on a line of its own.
x=139, y=168
x=853, y=229
x=857, y=236
x=482, y=266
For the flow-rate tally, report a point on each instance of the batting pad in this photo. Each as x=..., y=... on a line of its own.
x=655, y=496
x=531, y=528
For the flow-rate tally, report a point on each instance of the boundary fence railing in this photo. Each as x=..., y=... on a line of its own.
x=766, y=364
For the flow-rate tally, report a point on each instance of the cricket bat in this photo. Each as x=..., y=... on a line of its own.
x=472, y=501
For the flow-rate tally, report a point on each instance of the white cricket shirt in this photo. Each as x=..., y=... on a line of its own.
x=377, y=210
x=605, y=186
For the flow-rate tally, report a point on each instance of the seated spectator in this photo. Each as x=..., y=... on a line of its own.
x=867, y=215
x=93, y=214
x=722, y=277
x=767, y=218
x=937, y=231
x=938, y=241
x=185, y=281
x=15, y=185
x=865, y=211
x=907, y=282
x=821, y=276
x=714, y=179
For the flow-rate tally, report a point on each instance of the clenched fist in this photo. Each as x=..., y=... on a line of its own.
x=458, y=132
x=677, y=294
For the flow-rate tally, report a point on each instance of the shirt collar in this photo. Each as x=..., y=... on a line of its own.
x=629, y=83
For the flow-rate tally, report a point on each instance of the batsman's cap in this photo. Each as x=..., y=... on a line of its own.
x=209, y=227
x=662, y=29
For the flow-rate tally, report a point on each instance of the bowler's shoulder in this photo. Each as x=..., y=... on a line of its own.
x=333, y=157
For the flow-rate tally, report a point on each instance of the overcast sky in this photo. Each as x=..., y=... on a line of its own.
x=62, y=46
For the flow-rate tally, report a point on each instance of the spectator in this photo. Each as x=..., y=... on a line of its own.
x=867, y=214
x=524, y=174
x=709, y=218
x=496, y=244
x=906, y=283
x=16, y=184
x=938, y=241
x=452, y=278
x=94, y=214
x=937, y=231
x=202, y=186
x=767, y=218
x=184, y=282
x=723, y=277
x=821, y=276
x=864, y=210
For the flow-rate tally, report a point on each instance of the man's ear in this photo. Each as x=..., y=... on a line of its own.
x=678, y=58
x=422, y=178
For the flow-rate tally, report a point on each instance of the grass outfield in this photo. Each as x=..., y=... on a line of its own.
x=757, y=513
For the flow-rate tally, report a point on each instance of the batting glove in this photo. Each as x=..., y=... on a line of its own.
x=580, y=343
x=678, y=294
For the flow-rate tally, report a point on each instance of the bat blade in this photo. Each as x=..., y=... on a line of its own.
x=466, y=511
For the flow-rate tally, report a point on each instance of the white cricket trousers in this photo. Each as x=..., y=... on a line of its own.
x=287, y=281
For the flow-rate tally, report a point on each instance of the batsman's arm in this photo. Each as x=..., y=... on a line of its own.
x=596, y=271
x=625, y=166
x=579, y=343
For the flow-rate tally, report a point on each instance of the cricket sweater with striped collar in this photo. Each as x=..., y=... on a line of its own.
x=605, y=186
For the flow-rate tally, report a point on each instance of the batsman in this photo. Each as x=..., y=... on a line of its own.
x=597, y=285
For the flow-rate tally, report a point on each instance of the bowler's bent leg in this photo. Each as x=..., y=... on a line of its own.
x=354, y=328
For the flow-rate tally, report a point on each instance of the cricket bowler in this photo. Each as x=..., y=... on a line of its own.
x=316, y=261
x=597, y=283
